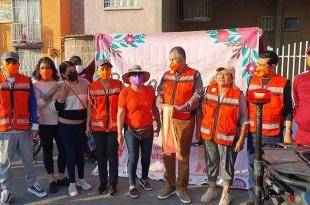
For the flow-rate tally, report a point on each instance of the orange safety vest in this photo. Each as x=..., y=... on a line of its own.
x=104, y=105
x=272, y=111
x=178, y=90
x=220, y=116
x=14, y=109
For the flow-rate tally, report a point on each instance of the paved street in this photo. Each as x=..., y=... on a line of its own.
x=22, y=196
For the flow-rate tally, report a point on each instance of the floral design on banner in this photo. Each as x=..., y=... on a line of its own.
x=246, y=47
x=112, y=44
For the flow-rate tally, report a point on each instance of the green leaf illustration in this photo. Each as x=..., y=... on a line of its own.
x=245, y=62
x=255, y=54
x=244, y=51
x=139, y=40
x=134, y=45
x=118, y=36
x=233, y=30
x=213, y=36
x=244, y=73
x=114, y=46
x=124, y=45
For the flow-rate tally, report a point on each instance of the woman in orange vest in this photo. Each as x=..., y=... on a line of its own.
x=137, y=108
x=224, y=109
x=101, y=122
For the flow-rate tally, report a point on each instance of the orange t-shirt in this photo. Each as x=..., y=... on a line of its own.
x=137, y=106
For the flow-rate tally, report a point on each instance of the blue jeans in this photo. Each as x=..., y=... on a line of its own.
x=72, y=138
x=251, y=156
x=133, y=146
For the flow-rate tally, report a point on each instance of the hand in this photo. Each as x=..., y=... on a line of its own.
x=56, y=87
x=120, y=139
x=198, y=134
x=88, y=131
x=34, y=133
x=239, y=145
x=288, y=137
x=177, y=108
x=65, y=91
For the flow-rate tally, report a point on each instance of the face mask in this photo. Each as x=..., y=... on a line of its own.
x=136, y=79
x=308, y=62
x=104, y=74
x=11, y=69
x=262, y=71
x=46, y=74
x=175, y=67
x=79, y=68
x=73, y=76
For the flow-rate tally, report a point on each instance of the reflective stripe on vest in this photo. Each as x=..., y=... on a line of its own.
x=22, y=121
x=21, y=86
x=102, y=92
x=225, y=137
x=205, y=131
x=267, y=126
x=225, y=100
x=182, y=78
x=4, y=121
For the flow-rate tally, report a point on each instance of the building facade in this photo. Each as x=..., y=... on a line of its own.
x=34, y=28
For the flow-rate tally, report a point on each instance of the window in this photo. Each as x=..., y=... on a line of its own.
x=122, y=3
x=290, y=23
x=28, y=59
x=194, y=10
x=26, y=26
x=266, y=23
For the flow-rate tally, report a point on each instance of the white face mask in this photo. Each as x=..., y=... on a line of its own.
x=79, y=68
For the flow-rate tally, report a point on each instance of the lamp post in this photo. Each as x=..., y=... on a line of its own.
x=259, y=97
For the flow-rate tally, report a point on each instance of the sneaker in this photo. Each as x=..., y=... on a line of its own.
x=225, y=199
x=184, y=197
x=145, y=184
x=63, y=182
x=250, y=201
x=73, y=190
x=52, y=187
x=102, y=188
x=37, y=190
x=134, y=193
x=112, y=190
x=83, y=184
x=6, y=197
x=166, y=193
x=208, y=196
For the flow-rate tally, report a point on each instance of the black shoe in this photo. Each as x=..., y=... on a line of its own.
x=52, y=187
x=102, y=188
x=134, y=193
x=145, y=184
x=63, y=182
x=112, y=190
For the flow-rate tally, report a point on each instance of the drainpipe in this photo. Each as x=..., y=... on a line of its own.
x=278, y=23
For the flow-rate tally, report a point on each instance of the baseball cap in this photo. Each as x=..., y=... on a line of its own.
x=102, y=62
x=10, y=55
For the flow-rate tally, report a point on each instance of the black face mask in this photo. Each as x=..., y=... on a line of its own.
x=72, y=76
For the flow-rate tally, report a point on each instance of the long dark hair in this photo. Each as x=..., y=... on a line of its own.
x=49, y=62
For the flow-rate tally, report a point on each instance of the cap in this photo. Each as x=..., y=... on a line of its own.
x=102, y=62
x=228, y=69
x=10, y=55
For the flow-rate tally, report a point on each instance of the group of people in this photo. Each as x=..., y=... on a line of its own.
x=111, y=111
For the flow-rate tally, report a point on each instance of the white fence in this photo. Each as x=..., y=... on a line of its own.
x=292, y=59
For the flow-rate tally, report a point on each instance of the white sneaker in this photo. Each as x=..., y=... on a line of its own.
x=208, y=196
x=5, y=197
x=83, y=184
x=72, y=190
x=95, y=171
x=225, y=199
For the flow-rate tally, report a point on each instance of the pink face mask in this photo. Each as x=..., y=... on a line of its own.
x=136, y=79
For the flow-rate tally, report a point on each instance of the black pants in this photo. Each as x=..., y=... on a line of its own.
x=107, y=150
x=47, y=133
x=72, y=137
